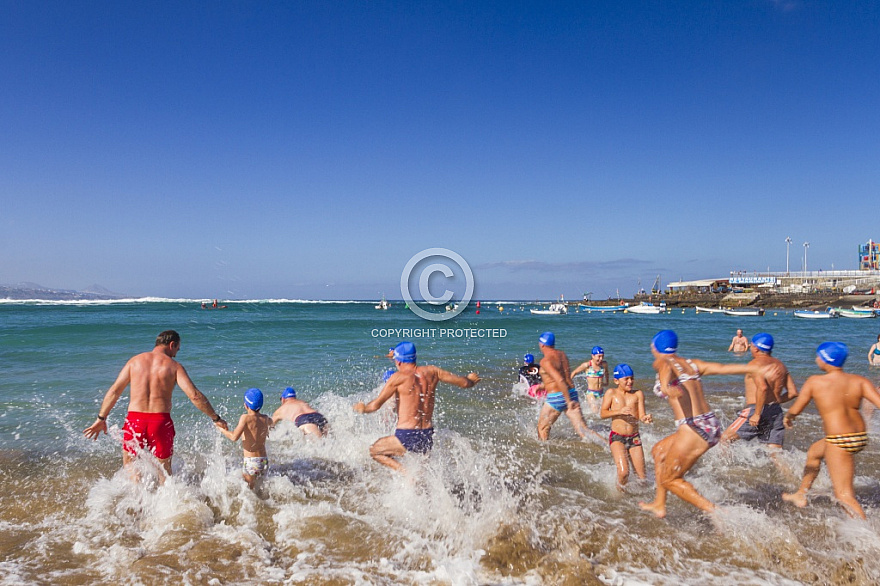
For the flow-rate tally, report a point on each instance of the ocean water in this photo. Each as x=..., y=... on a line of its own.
x=491, y=505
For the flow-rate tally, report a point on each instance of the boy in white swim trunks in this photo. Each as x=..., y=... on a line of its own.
x=253, y=427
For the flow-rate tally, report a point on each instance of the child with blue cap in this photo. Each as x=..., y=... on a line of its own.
x=596, y=369
x=253, y=429
x=308, y=420
x=529, y=374
x=626, y=408
x=838, y=396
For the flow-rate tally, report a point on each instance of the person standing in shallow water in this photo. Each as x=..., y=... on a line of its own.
x=838, y=396
x=697, y=426
x=414, y=386
x=148, y=425
x=739, y=343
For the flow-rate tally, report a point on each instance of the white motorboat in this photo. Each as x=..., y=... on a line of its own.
x=710, y=309
x=807, y=314
x=744, y=311
x=646, y=308
x=555, y=309
x=383, y=304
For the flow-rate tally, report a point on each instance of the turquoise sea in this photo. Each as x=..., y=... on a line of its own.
x=491, y=505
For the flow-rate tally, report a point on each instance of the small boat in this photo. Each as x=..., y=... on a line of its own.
x=710, y=309
x=646, y=308
x=852, y=314
x=555, y=309
x=807, y=314
x=602, y=308
x=383, y=304
x=744, y=311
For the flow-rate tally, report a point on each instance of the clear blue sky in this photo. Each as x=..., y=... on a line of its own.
x=309, y=149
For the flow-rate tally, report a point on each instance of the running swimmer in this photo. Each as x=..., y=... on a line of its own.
x=562, y=397
x=253, y=429
x=529, y=374
x=838, y=396
x=762, y=416
x=697, y=426
x=414, y=387
x=626, y=407
x=596, y=370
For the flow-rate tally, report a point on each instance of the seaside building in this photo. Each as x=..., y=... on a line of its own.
x=869, y=256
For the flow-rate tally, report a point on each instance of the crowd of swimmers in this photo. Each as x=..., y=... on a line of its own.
x=411, y=387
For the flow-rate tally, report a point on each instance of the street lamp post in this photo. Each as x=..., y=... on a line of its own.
x=787, y=245
x=806, y=246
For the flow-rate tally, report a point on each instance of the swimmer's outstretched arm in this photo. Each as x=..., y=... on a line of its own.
x=464, y=382
x=388, y=391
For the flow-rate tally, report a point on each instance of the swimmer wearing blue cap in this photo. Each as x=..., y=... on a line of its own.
x=596, y=371
x=838, y=396
x=697, y=426
x=308, y=420
x=415, y=387
x=530, y=375
x=562, y=396
x=625, y=406
x=253, y=429
x=765, y=394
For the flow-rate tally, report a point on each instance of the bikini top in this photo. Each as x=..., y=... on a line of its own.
x=682, y=377
x=591, y=373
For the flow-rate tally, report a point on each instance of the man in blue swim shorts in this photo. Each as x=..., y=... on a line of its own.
x=414, y=388
x=562, y=397
x=309, y=421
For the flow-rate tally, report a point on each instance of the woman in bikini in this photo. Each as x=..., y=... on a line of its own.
x=596, y=370
x=697, y=427
x=874, y=354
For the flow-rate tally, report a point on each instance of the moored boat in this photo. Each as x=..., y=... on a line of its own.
x=853, y=314
x=555, y=309
x=808, y=314
x=602, y=308
x=646, y=308
x=709, y=309
x=744, y=311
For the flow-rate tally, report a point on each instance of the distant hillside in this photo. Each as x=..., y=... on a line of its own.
x=35, y=291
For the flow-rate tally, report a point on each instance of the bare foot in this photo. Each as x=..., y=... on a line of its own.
x=798, y=499
x=658, y=511
x=620, y=487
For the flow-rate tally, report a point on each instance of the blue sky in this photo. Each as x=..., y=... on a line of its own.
x=309, y=149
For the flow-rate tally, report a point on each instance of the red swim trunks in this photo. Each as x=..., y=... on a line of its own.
x=153, y=431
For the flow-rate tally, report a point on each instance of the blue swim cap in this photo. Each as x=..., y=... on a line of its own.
x=405, y=352
x=597, y=350
x=833, y=353
x=528, y=359
x=547, y=339
x=665, y=342
x=388, y=374
x=763, y=342
x=623, y=371
x=253, y=398
x=288, y=393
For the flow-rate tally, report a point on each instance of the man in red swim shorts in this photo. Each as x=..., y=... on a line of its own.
x=148, y=426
